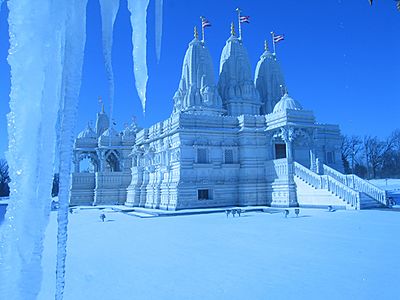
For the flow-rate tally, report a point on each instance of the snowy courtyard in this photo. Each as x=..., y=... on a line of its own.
x=319, y=255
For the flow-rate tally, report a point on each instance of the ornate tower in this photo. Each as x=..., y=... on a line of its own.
x=197, y=92
x=269, y=81
x=236, y=86
x=102, y=122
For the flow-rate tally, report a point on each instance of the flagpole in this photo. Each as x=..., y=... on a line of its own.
x=273, y=41
x=202, y=29
x=240, y=24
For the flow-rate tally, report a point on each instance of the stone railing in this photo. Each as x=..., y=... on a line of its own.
x=367, y=188
x=276, y=168
x=356, y=183
x=307, y=175
x=335, y=174
x=341, y=190
x=329, y=183
x=281, y=166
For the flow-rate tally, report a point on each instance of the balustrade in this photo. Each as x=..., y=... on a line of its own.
x=354, y=182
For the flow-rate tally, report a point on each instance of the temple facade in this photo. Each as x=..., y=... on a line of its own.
x=239, y=141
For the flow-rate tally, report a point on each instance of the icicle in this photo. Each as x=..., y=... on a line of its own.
x=138, y=10
x=75, y=38
x=109, y=10
x=36, y=74
x=159, y=25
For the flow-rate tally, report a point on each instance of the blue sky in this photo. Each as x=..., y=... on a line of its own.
x=340, y=59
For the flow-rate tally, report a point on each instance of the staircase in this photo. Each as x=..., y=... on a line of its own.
x=353, y=191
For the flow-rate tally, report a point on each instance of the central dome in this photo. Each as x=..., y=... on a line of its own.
x=285, y=103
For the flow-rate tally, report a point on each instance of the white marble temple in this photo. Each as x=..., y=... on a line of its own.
x=241, y=141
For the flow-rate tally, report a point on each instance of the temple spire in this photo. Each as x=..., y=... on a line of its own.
x=196, y=33
x=266, y=48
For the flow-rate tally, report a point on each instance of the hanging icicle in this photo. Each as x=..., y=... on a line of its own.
x=109, y=10
x=75, y=38
x=159, y=26
x=138, y=10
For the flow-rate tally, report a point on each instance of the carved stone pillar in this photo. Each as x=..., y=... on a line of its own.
x=284, y=192
x=313, y=164
x=102, y=158
x=76, y=162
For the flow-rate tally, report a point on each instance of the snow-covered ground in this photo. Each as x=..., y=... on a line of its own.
x=319, y=255
x=392, y=186
x=387, y=184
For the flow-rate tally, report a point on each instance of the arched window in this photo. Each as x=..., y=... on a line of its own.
x=112, y=161
x=88, y=163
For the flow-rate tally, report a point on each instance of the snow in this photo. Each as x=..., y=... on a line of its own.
x=392, y=186
x=158, y=27
x=389, y=184
x=340, y=255
x=109, y=10
x=138, y=10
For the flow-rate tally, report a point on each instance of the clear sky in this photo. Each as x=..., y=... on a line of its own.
x=340, y=58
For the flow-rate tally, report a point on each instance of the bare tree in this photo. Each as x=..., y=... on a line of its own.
x=351, y=148
x=375, y=152
x=4, y=178
x=391, y=160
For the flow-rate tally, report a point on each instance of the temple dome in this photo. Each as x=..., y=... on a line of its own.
x=269, y=80
x=112, y=134
x=286, y=103
x=197, y=91
x=88, y=133
x=236, y=83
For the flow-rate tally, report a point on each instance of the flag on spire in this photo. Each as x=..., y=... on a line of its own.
x=278, y=38
x=244, y=19
x=205, y=23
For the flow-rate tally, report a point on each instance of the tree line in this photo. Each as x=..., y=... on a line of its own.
x=5, y=180
x=371, y=157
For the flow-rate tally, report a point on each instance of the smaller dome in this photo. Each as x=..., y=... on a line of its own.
x=88, y=133
x=105, y=137
x=285, y=103
x=111, y=131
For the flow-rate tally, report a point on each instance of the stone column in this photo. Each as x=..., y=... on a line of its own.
x=101, y=155
x=284, y=188
x=76, y=162
x=313, y=164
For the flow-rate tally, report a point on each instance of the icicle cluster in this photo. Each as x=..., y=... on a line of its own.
x=47, y=44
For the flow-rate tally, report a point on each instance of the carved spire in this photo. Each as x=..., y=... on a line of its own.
x=233, y=33
x=196, y=33
x=266, y=48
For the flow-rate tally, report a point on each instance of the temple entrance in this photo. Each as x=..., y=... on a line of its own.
x=280, y=151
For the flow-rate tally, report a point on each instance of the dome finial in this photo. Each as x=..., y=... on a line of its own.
x=196, y=33
x=233, y=33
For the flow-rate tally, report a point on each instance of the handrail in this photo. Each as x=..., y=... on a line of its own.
x=359, y=184
x=307, y=175
x=339, y=189
x=369, y=189
x=335, y=174
x=329, y=183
